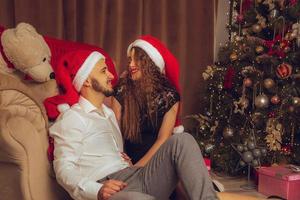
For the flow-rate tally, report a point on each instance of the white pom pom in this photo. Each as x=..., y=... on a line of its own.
x=63, y=107
x=178, y=129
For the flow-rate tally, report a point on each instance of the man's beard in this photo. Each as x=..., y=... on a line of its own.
x=99, y=88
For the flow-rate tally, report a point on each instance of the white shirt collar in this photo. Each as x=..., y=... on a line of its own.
x=88, y=107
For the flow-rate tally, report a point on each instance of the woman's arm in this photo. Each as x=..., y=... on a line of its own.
x=165, y=132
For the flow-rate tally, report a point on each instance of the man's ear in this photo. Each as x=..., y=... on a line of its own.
x=87, y=83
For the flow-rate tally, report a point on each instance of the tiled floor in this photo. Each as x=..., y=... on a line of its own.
x=233, y=184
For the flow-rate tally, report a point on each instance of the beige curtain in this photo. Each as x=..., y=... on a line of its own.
x=185, y=26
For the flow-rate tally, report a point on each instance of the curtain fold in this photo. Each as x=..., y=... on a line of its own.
x=185, y=26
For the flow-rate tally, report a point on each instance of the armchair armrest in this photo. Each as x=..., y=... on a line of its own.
x=24, y=167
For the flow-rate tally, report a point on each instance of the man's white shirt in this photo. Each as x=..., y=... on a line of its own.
x=87, y=148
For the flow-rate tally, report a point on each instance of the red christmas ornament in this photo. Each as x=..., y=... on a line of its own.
x=286, y=150
x=284, y=70
x=275, y=99
x=247, y=82
x=240, y=18
x=271, y=114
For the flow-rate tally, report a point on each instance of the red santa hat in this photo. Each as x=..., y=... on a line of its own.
x=73, y=69
x=164, y=60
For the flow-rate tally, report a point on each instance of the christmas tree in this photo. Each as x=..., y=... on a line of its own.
x=252, y=112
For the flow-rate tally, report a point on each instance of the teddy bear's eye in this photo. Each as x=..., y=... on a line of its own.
x=44, y=60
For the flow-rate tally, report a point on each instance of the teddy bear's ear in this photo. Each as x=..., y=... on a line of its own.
x=24, y=28
x=8, y=41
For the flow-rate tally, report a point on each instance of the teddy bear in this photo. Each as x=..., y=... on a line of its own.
x=26, y=56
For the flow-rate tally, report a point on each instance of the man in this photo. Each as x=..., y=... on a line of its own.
x=89, y=160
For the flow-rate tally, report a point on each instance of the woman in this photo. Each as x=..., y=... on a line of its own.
x=147, y=102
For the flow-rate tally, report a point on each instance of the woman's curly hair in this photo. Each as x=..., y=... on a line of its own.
x=140, y=95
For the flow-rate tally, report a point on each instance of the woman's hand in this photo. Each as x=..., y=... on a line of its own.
x=126, y=158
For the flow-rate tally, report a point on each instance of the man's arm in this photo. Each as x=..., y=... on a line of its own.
x=67, y=134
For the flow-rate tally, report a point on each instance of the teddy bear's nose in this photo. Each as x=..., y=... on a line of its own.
x=52, y=75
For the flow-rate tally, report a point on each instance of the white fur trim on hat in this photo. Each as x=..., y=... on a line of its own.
x=86, y=68
x=63, y=107
x=152, y=52
x=178, y=129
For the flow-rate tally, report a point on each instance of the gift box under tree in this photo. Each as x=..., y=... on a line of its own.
x=279, y=181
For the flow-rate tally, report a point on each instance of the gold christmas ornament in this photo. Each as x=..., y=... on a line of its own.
x=262, y=101
x=296, y=101
x=259, y=49
x=256, y=28
x=233, y=57
x=269, y=83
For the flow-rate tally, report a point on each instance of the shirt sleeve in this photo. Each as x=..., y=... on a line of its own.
x=67, y=134
x=171, y=97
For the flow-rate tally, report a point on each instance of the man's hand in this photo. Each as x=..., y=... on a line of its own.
x=109, y=188
x=126, y=158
